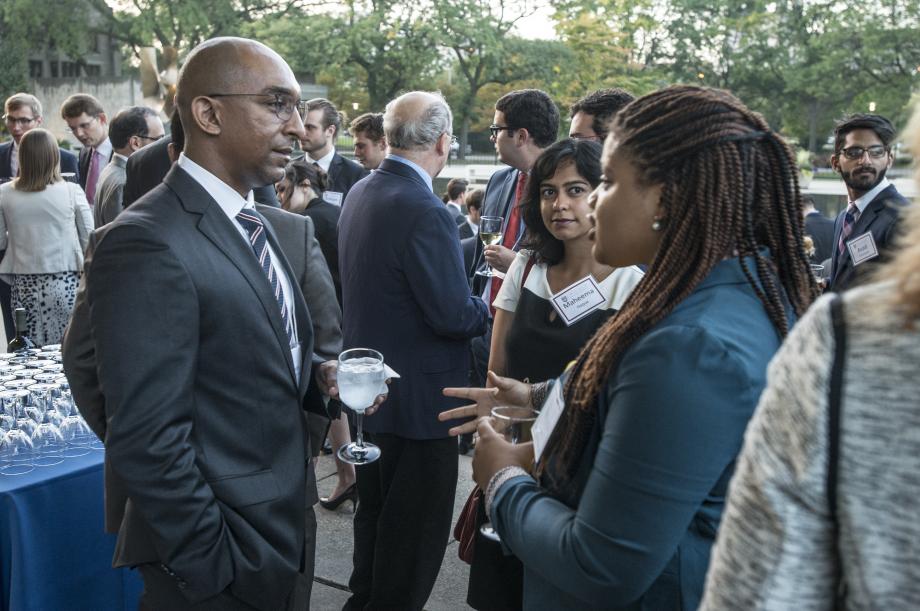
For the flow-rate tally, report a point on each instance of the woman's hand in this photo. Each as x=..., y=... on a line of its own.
x=494, y=453
x=503, y=391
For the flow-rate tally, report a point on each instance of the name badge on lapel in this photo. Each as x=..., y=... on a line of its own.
x=545, y=423
x=333, y=197
x=862, y=248
x=577, y=300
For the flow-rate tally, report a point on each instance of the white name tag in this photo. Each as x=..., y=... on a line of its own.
x=333, y=197
x=862, y=248
x=546, y=421
x=577, y=300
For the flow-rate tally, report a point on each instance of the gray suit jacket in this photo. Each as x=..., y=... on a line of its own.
x=295, y=234
x=109, y=194
x=235, y=514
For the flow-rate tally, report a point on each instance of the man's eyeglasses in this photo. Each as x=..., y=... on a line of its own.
x=496, y=129
x=20, y=121
x=856, y=152
x=81, y=126
x=283, y=106
x=151, y=138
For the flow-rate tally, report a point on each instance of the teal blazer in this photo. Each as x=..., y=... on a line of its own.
x=655, y=474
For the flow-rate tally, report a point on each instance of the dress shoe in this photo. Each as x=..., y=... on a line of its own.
x=350, y=494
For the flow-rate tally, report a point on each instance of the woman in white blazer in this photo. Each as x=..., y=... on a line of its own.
x=45, y=224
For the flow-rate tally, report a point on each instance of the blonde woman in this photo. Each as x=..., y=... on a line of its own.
x=45, y=224
x=794, y=535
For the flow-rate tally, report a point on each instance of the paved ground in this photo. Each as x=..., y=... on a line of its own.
x=334, y=548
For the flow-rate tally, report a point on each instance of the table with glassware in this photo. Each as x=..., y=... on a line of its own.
x=53, y=551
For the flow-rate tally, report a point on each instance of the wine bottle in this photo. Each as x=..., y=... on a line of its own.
x=21, y=341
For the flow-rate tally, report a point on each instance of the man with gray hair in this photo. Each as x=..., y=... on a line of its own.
x=405, y=293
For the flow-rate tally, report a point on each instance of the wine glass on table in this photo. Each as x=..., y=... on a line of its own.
x=514, y=423
x=490, y=232
x=360, y=378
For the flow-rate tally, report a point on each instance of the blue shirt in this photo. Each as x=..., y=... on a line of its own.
x=418, y=169
x=654, y=475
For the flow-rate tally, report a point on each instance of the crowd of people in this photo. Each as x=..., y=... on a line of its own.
x=714, y=432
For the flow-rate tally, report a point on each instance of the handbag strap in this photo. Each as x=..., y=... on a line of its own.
x=834, y=400
x=527, y=267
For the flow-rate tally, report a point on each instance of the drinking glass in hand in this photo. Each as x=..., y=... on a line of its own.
x=490, y=232
x=360, y=378
x=515, y=424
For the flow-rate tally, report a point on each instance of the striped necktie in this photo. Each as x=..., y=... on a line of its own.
x=849, y=221
x=252, y=223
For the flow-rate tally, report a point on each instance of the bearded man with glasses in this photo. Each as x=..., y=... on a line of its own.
x=864, y=232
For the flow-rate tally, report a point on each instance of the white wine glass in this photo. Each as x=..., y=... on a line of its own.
x=360, y=378
x=515, y=424
x=490, y=232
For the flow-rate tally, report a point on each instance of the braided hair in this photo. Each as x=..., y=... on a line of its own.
x=729, y=186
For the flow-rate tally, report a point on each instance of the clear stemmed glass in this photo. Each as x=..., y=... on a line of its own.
x=47, y=439
x=360, y=379
x=490, y=232
x=16, y=449
x=514, y=423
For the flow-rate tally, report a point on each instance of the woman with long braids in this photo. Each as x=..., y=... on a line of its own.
x=621, y=507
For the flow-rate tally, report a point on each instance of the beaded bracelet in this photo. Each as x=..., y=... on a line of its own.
x=539, y=392
x=500, y=477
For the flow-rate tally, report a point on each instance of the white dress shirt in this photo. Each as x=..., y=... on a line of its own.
x=325, y=161
x=231, y=203
x=866, y=199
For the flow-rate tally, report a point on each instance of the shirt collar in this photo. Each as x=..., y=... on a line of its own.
x=454, y=206
x=325, y=161
x=418, y=169
x=119, y=156
x=226, y=197
x=105, y=149
x=864, y=200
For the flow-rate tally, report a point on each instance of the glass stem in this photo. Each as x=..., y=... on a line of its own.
x=359, y=424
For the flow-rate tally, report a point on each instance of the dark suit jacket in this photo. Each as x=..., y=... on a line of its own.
x=296, y=236
x=205, y=423
x=880, y=218
x=343, y=174
x=495, y=202
x=465, y=231
x=84, y=164
x=326, y=221
x=68, y=163
x=821, y=230
x=405, y=294
x=468, y=247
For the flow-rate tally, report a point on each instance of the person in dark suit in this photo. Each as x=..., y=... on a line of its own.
x=296, y=237
x=300, y=192
x=370, y=143
x=821, y=230
x=205, y=424
x=22, y=112
x=405, y=294
x=87, y=121
x=321, y=126
x=470, y=226
x=864, y=232
x=455, y=198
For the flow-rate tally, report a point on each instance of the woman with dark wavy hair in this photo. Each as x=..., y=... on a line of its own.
x=529, y=338
x=617, y=506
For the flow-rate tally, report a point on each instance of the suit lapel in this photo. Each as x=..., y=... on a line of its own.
x=6, y=160
x=863, y=224
x=215, y=225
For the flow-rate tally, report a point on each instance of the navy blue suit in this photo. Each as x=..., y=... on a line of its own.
x=68, y=165
x=880, y=218
x=404, y=293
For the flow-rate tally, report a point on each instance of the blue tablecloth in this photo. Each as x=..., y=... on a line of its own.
x=54, y=555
